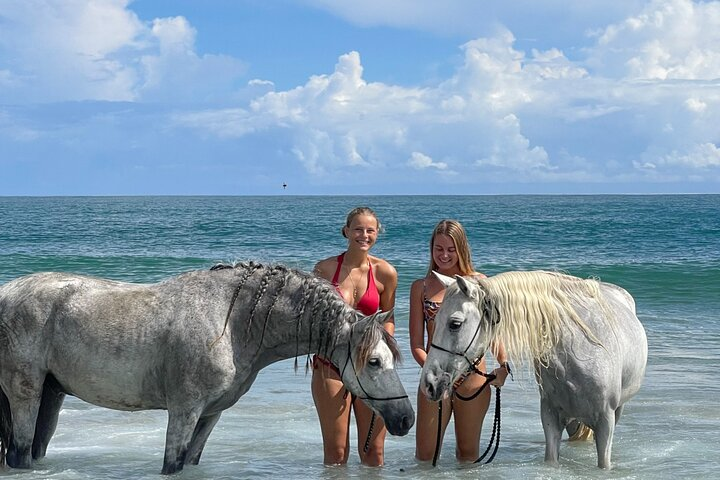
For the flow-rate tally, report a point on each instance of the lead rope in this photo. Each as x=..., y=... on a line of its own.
x=489, y=377
x=438, y=440
x=496, y=428
x=367, y=440
x=494, y=437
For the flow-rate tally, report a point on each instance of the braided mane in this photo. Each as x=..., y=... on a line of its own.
x=317, y=303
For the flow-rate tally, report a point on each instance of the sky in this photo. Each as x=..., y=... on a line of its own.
x=341, y=97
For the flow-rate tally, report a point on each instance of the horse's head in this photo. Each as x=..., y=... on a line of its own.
x=366, y=357
x=463, y=329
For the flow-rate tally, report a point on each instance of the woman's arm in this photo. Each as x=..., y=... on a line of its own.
x=417, y=323
x=388, y=277
x=501, y=372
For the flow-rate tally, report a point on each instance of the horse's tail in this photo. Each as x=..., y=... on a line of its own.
x=581, y=433
x=5, y=426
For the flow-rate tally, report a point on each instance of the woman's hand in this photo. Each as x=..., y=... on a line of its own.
x=501, y=374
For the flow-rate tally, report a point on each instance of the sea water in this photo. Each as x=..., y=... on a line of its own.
x=665, y=250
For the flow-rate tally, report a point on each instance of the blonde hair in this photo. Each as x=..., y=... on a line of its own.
x=360, y=211
x=454, y=230
x=535, y=307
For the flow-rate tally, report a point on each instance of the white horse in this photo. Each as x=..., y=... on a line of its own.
x=191, y=345
x=583, y=338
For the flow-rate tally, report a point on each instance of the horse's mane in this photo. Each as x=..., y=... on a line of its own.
x=530, y=309
x=327, y=309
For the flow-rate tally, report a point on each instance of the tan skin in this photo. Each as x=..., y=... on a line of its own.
x=469, y=415
x=328, y=391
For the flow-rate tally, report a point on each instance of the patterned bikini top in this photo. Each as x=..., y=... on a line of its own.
x=430, y=308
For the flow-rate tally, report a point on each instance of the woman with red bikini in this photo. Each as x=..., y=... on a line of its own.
x=368, y=284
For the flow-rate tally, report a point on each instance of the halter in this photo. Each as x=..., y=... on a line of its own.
x=489, y=377
x=471, y=363
x=367, y=396
x=342, y=375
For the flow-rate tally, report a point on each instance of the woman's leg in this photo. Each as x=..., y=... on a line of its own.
x=375, y=455
x=469, y=416
x=426, y=426
x=333, y=408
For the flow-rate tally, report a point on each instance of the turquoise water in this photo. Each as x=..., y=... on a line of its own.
x=665, y=250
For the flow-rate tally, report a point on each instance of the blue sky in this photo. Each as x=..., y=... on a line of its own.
x=236, y=97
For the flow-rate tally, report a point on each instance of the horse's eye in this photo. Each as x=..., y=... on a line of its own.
x=374, y=362
x=454, y=325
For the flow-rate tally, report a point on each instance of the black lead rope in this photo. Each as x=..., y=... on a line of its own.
x=367, y=440
x=496, y=428
x=494, y=438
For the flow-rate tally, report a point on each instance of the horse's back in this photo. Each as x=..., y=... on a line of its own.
x=587, y=377
x=110, y=343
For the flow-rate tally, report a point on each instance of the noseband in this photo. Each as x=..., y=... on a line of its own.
x=463, y=354
x=367, y=396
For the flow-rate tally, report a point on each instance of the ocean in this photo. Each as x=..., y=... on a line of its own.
x=665, y=250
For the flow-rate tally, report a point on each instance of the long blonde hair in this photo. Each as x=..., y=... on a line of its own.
x=454, y=230
x=534, y=307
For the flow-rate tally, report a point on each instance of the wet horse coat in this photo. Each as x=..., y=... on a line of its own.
x=191, y=345
x=588, y=348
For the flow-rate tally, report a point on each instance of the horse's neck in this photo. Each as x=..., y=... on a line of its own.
x=273, y=325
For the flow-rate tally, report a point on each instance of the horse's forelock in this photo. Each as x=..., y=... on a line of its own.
x=372, y=335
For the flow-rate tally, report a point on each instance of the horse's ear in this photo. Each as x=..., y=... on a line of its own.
x=466, y=286
x=382, y=317
x=444, y=279
x=490, y=310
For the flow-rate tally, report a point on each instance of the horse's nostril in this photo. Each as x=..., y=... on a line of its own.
x=408, y=421
x=430, y=388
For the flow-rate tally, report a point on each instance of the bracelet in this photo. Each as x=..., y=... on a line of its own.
x=506, y=366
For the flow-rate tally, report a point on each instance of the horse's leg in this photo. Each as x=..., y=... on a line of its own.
x=24, y=405
x=618, y=413
x=52, y=400
x=181, y=425
x=604, y=430
x=553, y=431
x=5, y=425
x=200, y=437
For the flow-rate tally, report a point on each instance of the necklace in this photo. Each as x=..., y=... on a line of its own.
x=355, y=292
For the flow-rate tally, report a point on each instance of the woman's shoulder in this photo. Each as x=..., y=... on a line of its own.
x=326, y=268
x=382, y=267
x=418, y=285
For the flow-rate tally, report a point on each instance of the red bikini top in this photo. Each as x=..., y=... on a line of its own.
x=370, y=301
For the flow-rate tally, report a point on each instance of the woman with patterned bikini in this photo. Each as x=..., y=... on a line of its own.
x=368, y=284
x=449, y=255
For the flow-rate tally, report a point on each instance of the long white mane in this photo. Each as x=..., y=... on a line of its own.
x=530, y=309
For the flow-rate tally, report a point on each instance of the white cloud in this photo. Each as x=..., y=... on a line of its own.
x=340, y=120
x=703, y=156
x=421, y=161
x=669, y=39
x=641, y=103
x=695, y=105
x=100, y=50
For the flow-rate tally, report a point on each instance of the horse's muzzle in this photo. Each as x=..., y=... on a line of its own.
x=435, y=385
x=398, y=415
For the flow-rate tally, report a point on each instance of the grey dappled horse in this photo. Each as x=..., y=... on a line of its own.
x=586, y=344
x=192, y=345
